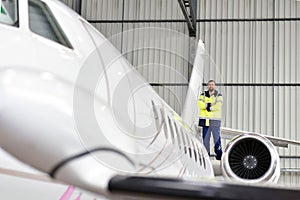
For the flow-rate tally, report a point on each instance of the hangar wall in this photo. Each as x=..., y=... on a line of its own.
x=254, y=49
x=156, y=46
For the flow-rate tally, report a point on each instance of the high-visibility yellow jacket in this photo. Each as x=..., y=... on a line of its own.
x=214, y=102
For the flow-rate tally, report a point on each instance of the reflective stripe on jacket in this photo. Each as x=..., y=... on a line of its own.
x=216, y=100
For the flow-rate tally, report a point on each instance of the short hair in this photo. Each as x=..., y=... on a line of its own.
x=211, y=81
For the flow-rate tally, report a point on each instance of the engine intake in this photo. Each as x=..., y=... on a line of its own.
x=251, y=158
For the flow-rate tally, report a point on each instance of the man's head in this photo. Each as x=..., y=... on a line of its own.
x=211, y=85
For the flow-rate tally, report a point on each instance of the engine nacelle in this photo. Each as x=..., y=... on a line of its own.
x=251, y=158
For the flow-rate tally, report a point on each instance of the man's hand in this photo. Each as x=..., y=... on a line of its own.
x=208, y=107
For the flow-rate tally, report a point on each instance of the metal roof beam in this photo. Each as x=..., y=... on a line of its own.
x=189, y=9
x=78, y=6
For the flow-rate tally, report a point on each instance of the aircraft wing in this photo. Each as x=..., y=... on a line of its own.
x=228, y=133
x=140, y=187
x=167, y=188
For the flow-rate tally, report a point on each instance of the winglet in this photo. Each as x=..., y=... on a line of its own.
x=190, y=111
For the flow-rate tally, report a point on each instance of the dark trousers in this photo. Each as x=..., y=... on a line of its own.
x=206, y=133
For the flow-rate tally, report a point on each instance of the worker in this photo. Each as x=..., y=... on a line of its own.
x=210, y=105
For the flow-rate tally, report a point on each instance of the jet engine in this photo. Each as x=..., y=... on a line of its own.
x=251, y=158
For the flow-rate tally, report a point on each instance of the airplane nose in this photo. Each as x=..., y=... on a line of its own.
x=37, y=127
x=36, y=123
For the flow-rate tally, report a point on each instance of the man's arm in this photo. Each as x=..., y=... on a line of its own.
x=201, y=103
x=218, y=104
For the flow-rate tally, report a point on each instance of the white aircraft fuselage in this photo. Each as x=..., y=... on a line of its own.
x=46, y=88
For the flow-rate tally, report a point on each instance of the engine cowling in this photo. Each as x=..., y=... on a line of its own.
x=251, y=158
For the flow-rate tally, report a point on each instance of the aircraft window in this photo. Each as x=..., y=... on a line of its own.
x=189, y=145
x=9, y=12
x=203, y=159
x=200, y=155
x=166, y=124
x=184, y=143
x=171, y=129
x=43, y=23
x=178, y=136
x=194, y=149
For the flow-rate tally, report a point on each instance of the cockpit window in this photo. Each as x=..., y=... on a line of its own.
x=43, y=23
x=9, y=12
